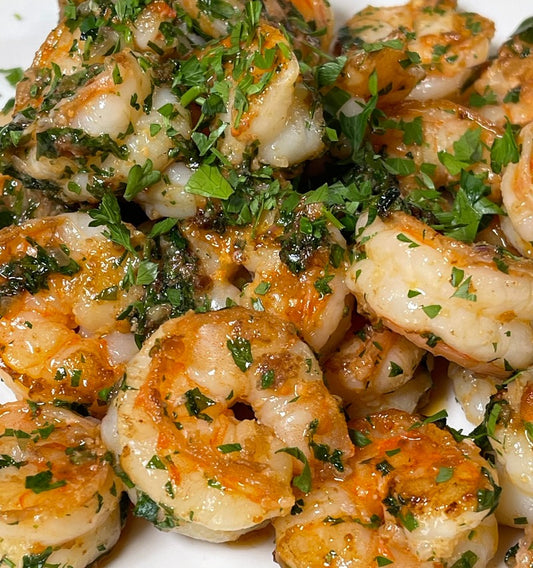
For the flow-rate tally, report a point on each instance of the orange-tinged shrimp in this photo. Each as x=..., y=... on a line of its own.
x=59, y=496
x=61, y=294
x=318, y=303
x=375, y=369
x=425, y=49
x=440, y=126
x=175, y=434
x=465, y=302
x=505, y=88
x=411, y=498
x=517, y=196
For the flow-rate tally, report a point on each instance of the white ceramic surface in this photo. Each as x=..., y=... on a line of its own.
x=23, y=26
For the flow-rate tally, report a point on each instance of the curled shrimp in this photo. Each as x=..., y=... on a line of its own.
x=517, y=196
x=319, y=303
x=440, y=126
x=59, y=497
x=504, y=89
x=425, y=49
x=60, y=296
x=472, y=391
x=467, y=303
x=281, y=116
x=172, y=426
x=412, y=497
x=524, y=554
x=508, y=423
x=375, y=369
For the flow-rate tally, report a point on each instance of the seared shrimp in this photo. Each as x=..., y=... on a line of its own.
x=467, y=303
x=424, y=49
x=59, y=495
x=517, y=196
x=472, y=391
x=509, y=423
x=318, y=303
x=60, y=294
x=93, y=138
x=280, y=114
x=413, y=497
x=202, y=471
x=376, y=369
x=505, y=88
x=524, y=554
x=440, y=128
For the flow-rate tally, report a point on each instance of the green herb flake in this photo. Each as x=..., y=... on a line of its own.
x=208, y=181
x=432, y=311
x=303, y=480
x=444, y=474
x=241, y=352
x=229, y=448
x=42, y=482
x=155, y=462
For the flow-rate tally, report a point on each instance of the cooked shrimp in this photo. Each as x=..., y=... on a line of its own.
x=309, y=24
x=467, y=303
x=413, y=496
x=376, y=369
x=505, y=88
x=94, y=138
x=440, y=127
x=318, y=303
x=517, y=196
x=60, y=294
x=280, y=114
x=430, y=37
x=524, y=554
x=472, y=391
x=19, y=203
x=509, y=420
x=204, y=472
x=59, y=497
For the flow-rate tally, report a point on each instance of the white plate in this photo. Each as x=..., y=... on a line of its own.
x=24, y=26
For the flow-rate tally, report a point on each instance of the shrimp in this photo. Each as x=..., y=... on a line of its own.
x=280, y=114
x=425, y=49
x=87, y=141
x=439, y=128
x=60, y=294
x=318, y=304
x=19, y=203
x=508, y=423
x=524, y=554
x=375, y=369
x=59, y=497
x=203, y=472
x=413, y=496
x=472, y=391
x=505, y=88
x=309, y=24
x=517, y=196
x=468, y=303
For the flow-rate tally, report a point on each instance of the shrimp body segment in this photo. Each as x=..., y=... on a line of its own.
x=511, y=441
x=317, y=315
x=517, y=195
x=424, y=49
x=60, y=295
x=375, y=369
x=59, y=497
x=463, y=302
x=205, y=473
x=411, y=499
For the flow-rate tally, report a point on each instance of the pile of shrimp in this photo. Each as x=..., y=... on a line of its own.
x=241, y=253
